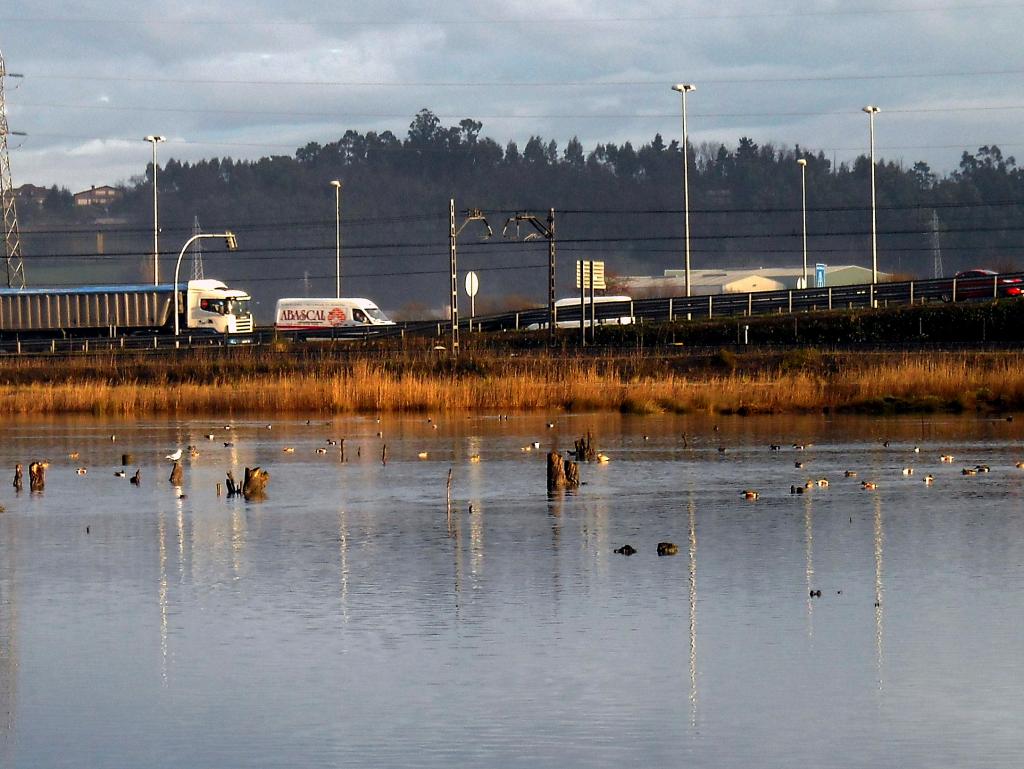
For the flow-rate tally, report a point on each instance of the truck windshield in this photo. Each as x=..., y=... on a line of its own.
x=376, y=314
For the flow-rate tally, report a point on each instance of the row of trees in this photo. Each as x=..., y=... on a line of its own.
x=617, y=202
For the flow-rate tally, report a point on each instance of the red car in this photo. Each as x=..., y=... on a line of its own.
x=983, y=284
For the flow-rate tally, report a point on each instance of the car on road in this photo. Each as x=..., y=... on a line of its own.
x=982, y=284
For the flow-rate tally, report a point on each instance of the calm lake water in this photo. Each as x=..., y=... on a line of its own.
x=347, y=620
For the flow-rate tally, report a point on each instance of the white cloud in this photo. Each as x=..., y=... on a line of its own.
x=153, y=65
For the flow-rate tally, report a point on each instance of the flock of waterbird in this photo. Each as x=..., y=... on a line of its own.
x=868, y=485
x=602, y=458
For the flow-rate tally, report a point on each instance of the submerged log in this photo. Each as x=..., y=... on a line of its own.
x=562, y=474
x=585, y=450
x=18, y=477
x=37, y=475
x=254, y=486
x=177, y=474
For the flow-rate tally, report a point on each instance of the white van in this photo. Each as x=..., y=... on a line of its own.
x=321, y=314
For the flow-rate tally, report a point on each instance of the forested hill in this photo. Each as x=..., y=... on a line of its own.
x=622, y=204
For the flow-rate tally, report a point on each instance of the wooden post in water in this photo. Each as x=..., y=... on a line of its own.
x=562, y=474
x=384, y=455
x=254, y=486
x=18, y=477
x=343, y=450
x=584, y=448
x=127, y=459
x=37, y=476
x=177, y=474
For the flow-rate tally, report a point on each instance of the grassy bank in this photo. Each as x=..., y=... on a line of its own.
x=263, y=381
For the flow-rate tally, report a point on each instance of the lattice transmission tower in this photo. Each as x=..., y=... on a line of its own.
x=12, y=238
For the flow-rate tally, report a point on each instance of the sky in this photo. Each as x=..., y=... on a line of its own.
x=252, y=78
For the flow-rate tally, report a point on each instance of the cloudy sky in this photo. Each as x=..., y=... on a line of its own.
x=248, y=78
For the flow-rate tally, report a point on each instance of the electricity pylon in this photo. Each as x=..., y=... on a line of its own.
x=12, y=238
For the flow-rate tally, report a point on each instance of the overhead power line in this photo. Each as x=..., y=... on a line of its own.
x=510, y=116
x=529, y=83
x=522, y=20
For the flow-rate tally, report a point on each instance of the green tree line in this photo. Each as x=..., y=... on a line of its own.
x=617, y=202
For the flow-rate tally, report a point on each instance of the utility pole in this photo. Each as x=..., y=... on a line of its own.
x=937, y=271
x=547, y=232
x=12, y=236
x=453, y=307
x=472, y=215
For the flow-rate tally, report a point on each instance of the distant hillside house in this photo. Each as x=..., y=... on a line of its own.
x=97, y=196
x=30, y=193
x=703, y=282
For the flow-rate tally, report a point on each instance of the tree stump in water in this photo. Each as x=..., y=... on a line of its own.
x=37, y=476
x=18, y=477
x=177, y=475
x=231, y=486
x=561, y=473
x=254, y=486
x=585, y=450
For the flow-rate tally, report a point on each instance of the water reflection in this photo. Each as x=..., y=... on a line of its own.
x=691, y=509
x=809, y=561
x=162, y=594
x=514, y=605
x=879, y=543
x=8, y=642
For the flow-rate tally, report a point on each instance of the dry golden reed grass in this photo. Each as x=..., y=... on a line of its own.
x=364, y=386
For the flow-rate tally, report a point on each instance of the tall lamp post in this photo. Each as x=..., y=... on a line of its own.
x=229, y=240
x=802, y=162
x=337, y=236
x=683, y=89
x=872, y=111
x=155, y=140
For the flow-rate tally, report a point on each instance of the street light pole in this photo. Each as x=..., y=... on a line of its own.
x=155, y=140
x=683, y=89
x=872, y=111
x=232, y=244
x=337, y=235
x=802, y=162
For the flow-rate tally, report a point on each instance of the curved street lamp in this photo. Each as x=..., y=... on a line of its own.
x=155, y=140
x=872, y=111
x=683, y=89
x=229, y=240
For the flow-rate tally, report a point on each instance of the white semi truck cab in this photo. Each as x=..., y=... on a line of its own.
x=211, y=304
